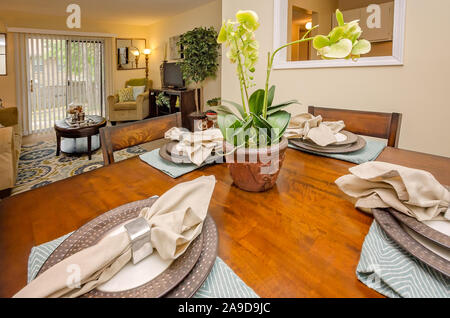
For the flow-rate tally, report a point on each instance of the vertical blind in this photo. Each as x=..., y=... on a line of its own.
x=63, y=71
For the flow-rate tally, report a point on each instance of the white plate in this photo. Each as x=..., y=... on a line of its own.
x=132, y=276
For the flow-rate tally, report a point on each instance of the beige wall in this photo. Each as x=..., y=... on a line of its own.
x=206, y=16
x=25, y=20
x=418, y=90
x=8, y=82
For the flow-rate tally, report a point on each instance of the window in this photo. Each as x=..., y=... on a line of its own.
x=2, y=54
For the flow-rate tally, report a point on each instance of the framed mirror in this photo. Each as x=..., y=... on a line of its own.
x=130, y=54
x=3, y=54
x=382, y=23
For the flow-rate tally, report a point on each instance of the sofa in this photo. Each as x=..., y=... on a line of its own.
x=132, y=110
x=10, y=145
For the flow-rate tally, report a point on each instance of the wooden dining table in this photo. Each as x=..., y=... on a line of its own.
x=302, y=238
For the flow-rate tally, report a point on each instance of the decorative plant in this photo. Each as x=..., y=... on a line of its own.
x=201, y=52
x=213, y=101
x=257, y=122
x=162, y=100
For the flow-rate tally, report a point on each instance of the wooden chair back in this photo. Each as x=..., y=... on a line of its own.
x=136, y=133
x=374, y=124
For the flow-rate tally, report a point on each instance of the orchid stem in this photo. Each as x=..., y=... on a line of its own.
x=270, y=64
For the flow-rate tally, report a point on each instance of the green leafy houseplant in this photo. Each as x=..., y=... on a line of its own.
x=213, y=101
x=201, y=51
x=258, y=122
x=162, y=100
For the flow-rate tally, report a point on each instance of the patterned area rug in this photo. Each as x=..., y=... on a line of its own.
x=39, y=165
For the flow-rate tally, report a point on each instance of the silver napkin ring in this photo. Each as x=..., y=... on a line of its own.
x=139, y=232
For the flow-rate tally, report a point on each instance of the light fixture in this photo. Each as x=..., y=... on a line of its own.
x=308, y=25
x=136, y=54
x=147, y=52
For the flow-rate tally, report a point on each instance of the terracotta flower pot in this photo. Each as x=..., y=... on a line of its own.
x=256, y=170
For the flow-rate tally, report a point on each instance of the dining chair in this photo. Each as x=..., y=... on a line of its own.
x=374, y=124
x=136, y=133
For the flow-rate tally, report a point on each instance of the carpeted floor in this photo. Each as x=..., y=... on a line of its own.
x=39, y=166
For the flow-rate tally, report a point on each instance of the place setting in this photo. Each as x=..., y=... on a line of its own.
x=311, y=134
x=186, y=151
x=158, y=247
x=411, y=229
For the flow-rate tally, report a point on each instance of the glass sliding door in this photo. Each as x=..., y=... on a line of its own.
x=63, y=71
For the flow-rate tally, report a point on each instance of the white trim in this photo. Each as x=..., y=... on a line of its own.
x=280, y=36
x=60, y=32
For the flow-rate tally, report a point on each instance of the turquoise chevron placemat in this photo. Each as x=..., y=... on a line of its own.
x=393, y=272
x=222, y=282
x=171, y=169
x=369, y=153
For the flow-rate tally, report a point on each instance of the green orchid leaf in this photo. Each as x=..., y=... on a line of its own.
x=264, y=128
x=222, y=109
x=361, y=47
x=226, y=121
x=339, y=50
x=256, y=102
x=238, y=107
x=279, y=122
x=240, y=133
x=340, y=17
x=337, y=34
x=320, y=41
x=276, y=108
x=271, y=95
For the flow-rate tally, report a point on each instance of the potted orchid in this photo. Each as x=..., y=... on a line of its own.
x=253, y=129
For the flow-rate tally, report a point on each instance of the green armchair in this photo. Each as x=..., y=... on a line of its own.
x=132, y=110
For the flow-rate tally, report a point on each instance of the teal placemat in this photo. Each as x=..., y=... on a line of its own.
x=171, y=169
x=393, y=272
x=369, y=153
x=222, y=282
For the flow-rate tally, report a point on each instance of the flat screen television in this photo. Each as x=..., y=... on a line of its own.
x=172, y=77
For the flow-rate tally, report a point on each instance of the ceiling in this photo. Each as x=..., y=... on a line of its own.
x=133, y=12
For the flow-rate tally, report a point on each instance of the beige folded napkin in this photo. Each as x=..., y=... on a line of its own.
x=197, y=146
x=309, y=127
x=381, y=185
x=175, y=219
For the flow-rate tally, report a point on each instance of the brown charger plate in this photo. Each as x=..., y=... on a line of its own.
x=358, y=145
x=90, y=233
x=395, y=231
x=422, y=229
x=169, y=153
x=190, y=285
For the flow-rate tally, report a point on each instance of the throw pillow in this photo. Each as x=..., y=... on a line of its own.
x=137, y=90
x=126, y=95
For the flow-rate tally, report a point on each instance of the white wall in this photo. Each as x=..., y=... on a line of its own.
x=419, y=89
x=160, y=32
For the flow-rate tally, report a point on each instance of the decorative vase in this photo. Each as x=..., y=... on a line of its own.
x=256, y=169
